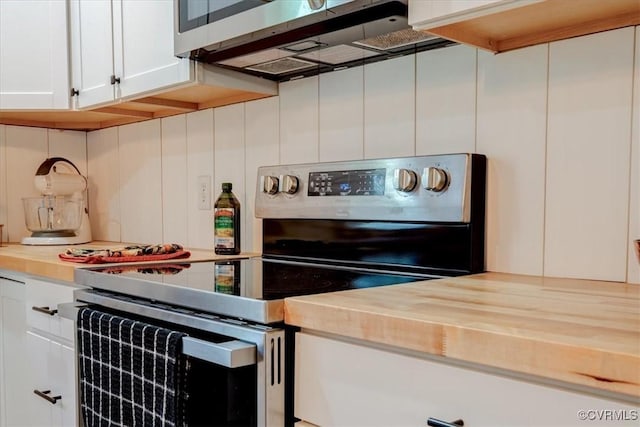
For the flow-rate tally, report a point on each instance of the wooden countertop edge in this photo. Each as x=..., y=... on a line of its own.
x=50, y=270
x=21, y=259
x=591, y=367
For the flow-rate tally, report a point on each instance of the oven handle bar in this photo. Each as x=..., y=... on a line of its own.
x=230, y=354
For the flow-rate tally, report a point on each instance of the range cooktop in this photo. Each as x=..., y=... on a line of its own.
x=252, y=288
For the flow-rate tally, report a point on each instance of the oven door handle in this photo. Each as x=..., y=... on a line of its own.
x=230, y=354
x=69, y=310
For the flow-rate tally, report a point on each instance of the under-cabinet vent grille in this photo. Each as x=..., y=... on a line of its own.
x=395, y=39
x=280, y=66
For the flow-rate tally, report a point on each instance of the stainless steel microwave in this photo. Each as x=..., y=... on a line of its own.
x=284, y=39
x=208, y=24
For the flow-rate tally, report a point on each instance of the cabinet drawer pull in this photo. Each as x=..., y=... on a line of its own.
x=45, y=310
x=434, y=422
x=45, y=396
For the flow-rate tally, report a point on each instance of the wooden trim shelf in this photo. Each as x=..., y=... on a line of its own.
x=170, y=103
x=549, y=20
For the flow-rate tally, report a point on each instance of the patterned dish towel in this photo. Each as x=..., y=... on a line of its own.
x=134, y=253
x=131, y=373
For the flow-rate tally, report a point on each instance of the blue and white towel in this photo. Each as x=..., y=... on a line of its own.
x=131, y=373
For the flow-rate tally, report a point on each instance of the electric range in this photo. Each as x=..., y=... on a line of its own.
x=326, y=227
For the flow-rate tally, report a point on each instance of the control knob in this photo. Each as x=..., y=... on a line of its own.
x=404, y=180
x=288, y=184
x=435, y=179
x=270, y=184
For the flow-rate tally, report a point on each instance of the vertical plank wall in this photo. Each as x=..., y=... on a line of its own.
x=140, y=166
x=104, y=182
x=512, y=100
x=588, y=146
x=3, y=183
x=175, y=201
x=551, y=119
x=633, y=270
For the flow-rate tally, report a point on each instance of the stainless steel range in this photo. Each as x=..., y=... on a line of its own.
x=326, y=227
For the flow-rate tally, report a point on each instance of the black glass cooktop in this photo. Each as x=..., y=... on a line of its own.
x=250, y=289
x=259, y=278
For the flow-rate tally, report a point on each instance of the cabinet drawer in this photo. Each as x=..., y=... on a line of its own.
x=53, y=371
x=42, y=299
x=346, y=384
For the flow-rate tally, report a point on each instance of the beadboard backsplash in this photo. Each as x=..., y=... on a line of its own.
x=559, y=124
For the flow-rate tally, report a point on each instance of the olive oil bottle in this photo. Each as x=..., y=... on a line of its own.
x=227, y=222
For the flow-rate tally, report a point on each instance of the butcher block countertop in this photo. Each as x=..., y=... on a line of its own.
x=577, y=331
x=44, y=261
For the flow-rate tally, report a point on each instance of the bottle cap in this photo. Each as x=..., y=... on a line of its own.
x=226, y=186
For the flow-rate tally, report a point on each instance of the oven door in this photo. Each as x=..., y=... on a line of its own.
x=236, y=369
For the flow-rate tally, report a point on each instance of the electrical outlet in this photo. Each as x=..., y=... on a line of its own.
x=204, y=192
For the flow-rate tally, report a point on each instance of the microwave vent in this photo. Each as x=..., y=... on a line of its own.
x=280, y=66
x=340, y=54
x=395, y=39
x=257, y=58
x=302, y=46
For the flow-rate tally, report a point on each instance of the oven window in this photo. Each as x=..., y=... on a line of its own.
x=197, y=13
x=219, y=396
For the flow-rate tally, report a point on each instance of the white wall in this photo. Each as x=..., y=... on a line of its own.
x=558, y=123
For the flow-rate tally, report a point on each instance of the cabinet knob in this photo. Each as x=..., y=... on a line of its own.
x=45, y=395
x=74, y=92
x=434, y=422
x=115, y=80
x=45, y=310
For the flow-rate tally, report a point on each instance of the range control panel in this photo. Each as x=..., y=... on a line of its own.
x=423, y=188
x=363, y=182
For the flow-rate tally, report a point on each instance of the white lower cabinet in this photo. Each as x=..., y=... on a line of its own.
x=51, y=395
x=341, y=383
x=14, y=409
x=52, y=399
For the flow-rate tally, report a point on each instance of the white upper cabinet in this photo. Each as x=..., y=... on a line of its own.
x=92, y=51
x=123, y=48
x=34, y=66
x=422, y=12
x=143, y=40
x=502, y=25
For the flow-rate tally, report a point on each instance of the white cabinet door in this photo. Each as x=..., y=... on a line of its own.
x=92, y=51
x=424, y=14
x=52, y=373
x=13, y=387
x=67, y=382
x=41, y=410
x=123, y=49
x=143, y=40
x=345, y=384
x=34, y=67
